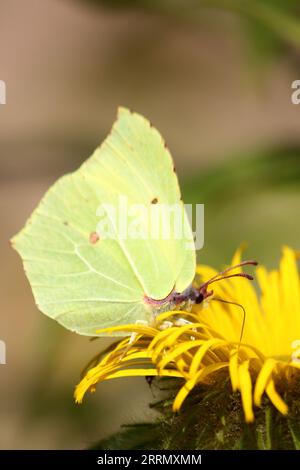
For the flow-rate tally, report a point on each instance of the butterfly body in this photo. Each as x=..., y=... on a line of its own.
x=178, y=300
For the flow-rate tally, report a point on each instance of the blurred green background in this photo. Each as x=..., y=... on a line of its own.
x=215, y=78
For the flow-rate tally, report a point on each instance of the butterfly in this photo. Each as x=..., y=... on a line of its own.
x=87, y=281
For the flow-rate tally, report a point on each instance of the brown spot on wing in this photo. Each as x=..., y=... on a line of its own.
x=154, y=201
x=94, y=237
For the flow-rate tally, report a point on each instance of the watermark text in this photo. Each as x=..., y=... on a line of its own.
x=2, y=352
x=123, y=220
x=2, y=92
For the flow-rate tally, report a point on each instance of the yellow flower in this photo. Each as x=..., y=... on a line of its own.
x=195, y=345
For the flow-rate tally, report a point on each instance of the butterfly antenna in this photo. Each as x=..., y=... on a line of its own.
x=223, y=274
x=238, y=305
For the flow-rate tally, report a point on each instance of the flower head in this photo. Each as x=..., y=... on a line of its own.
x=195, y=346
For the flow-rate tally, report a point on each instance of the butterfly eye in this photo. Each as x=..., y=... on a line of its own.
x=199, y=298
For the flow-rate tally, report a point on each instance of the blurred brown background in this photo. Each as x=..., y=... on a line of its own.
x=216, y=81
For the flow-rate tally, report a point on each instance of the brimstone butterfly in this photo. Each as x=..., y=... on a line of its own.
x=86, y=281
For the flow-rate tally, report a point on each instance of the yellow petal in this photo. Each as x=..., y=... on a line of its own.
x=262, y=379
x=178, y=350
x=234, y=369
x=146, y=330
x=201, y=353
x=246, y=391
x=190, y=384
x=170, y=336
x=237, y=257
x=143, y=373
x=276, y=398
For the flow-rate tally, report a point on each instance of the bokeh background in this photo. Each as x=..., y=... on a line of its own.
x=215, y=78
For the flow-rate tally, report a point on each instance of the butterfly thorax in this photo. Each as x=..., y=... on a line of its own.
x=176, y=301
